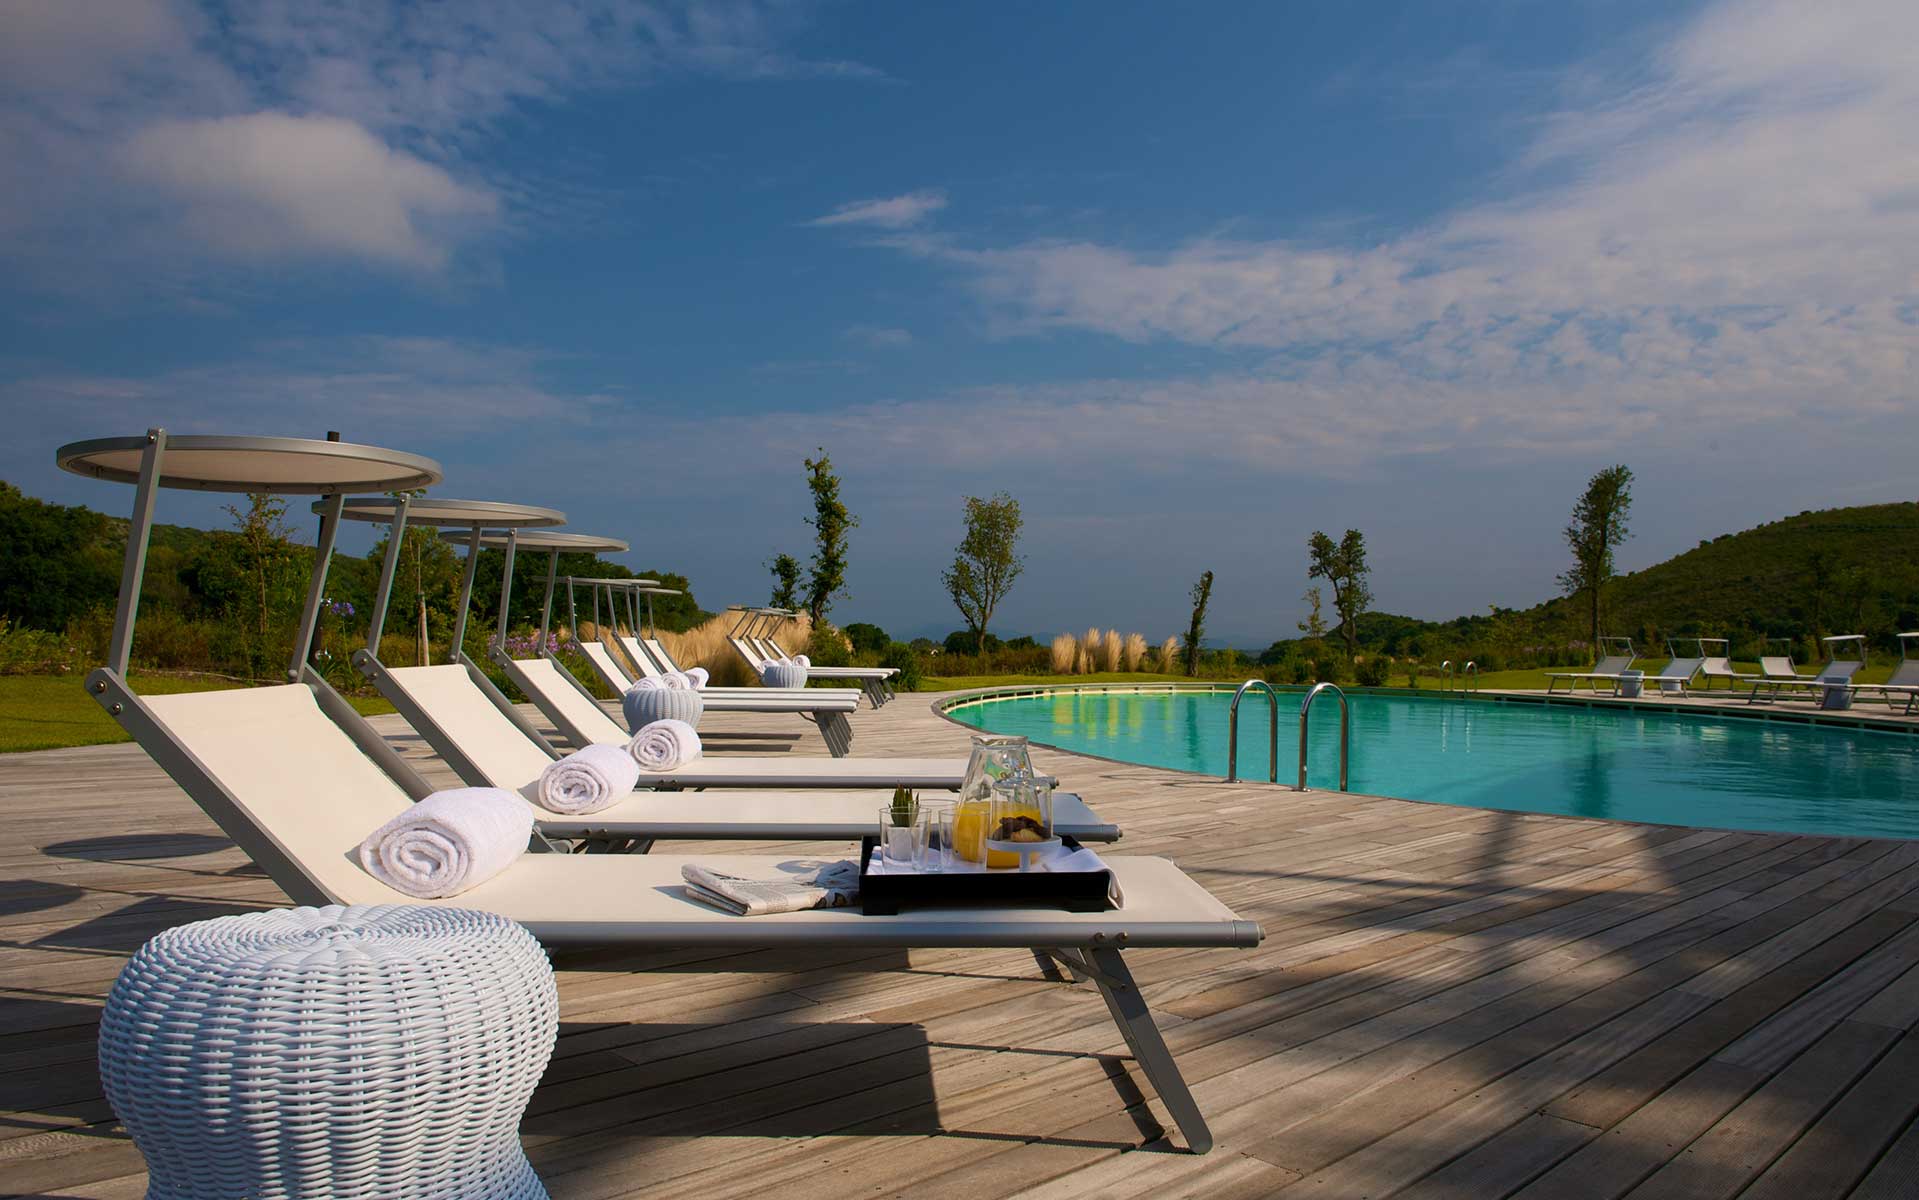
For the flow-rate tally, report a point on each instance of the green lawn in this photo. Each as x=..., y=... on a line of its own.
x=46, y=712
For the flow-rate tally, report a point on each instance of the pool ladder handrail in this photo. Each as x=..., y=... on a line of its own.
x=1446, y=675
x=1345, y=731
x=1232, y=731
x=1469, y=677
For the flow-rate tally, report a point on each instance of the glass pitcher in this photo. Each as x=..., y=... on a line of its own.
x=995, y=757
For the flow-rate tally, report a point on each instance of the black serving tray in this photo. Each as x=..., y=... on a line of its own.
x=1073, y=891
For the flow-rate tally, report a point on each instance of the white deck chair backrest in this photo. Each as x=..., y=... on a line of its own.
x=601, y=660
x=641, y=659
x=1906, y=674
x=1840, y=669
x=1717, y=666
x=753, y=657
x=1613, y=664
x=1776, y=665
x=1681, y=668
x=660, y=655
x=299, y=780
x=543, y=676
x=467, y=716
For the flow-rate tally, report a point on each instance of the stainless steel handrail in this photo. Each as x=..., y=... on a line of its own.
x=1469, y=677
x=1345, y=729
x=1232, y=731
x=1446, y=676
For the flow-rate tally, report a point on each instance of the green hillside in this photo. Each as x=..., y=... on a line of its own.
x=1838, y=570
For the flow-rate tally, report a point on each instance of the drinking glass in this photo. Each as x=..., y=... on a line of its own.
x=935, y=837
x=900, y=832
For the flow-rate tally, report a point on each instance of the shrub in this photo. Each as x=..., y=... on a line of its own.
x=1332, y=668
x=906, y=661
x=33, y=651
x=962, y=641
x=1110, y=650
x=1133, y=654
x=1299, y=671
x=1022, y=643
x=826, y=647
x=1168, y=656
x=867, y=638
x=1373, y=670
x=1065, y=654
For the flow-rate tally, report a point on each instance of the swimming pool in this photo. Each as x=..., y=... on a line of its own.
x=1663, y=767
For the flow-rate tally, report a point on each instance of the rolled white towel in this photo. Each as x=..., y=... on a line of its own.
x=648, y=684
x=588, y=780
x=802, y=660
x=664, y=745
x=448, y=842
x=698, y=676
x=676, y=681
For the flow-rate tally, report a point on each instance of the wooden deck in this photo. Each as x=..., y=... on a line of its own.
x=1449, y=1003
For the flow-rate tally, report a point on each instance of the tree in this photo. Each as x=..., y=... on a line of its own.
x=1314, y=626
x=831, y=523
x=1598, y=527
x=1819, y=579
x=1202, y=595
x=1344, y=566
x=866, y=637
x=985, y=565
x=786, y=582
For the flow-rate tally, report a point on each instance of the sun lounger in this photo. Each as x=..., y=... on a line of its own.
x=582, y=722
x=1903, y=684
x=1678, y=673
x=1845, y=654
x=1607, y=669
x=759, y=652
x=1718, y=663
x=296, y=794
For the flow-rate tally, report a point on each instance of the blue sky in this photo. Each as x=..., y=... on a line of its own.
x=1189, y=283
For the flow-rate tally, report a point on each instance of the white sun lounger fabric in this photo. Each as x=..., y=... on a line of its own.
x=610, y=672
x=588, y=780
x=448, y=842
x=496, y=747
x=665, y=746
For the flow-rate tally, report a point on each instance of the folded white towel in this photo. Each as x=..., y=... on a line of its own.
x=834, y=885
x=588, y=780
x=448, y=842
x=664, y=745
x=698, y=676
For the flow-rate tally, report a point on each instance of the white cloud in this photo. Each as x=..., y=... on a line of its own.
x=880, y=337
x=351, y=132
x=1732, y=228
x=271, y=185
x=891, y=212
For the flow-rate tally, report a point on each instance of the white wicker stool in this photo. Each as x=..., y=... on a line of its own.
x=643, y=706
x=368, y=1051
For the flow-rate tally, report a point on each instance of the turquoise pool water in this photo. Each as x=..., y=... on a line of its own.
x=1675, y=769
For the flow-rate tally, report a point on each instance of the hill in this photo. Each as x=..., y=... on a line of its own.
x=1838, y=570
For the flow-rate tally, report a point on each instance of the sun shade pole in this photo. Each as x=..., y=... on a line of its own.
x=134, y=569
x=506, y=579
x=389, y=564
x=467, y=574
x=546, y=605
x=322, y=559
x=652, y=629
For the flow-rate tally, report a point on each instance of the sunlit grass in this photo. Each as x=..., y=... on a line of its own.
x=47, y=712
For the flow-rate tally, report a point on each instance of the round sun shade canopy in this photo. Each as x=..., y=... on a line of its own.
x=431, y=510
x=541, y=539
x=285, y=466
x=659, y=591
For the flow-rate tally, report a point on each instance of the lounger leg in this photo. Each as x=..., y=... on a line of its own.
x=837, y=732
x=1135, y=1022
